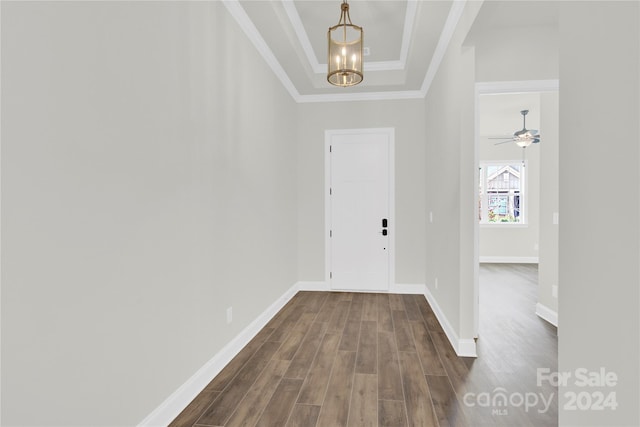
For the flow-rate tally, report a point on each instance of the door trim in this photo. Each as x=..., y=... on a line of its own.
x=328, y=135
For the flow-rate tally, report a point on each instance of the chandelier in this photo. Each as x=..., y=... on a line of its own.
x=345, y=51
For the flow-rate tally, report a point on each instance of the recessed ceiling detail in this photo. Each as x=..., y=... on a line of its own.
x=407, y=41
x=321, y=68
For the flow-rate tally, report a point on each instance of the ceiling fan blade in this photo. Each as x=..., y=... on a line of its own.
x=503, y=142
x=535, y=141
x=500, y=137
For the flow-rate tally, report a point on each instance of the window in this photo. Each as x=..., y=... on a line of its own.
x=502, y=193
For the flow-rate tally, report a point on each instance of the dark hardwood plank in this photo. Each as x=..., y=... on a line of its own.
x=284, y=313
x=349, y=340
x=316, y=382
x=279, y=407
x=395, y=302
x=191, y=413
x=456, y=369
x=389, y=381
x=448, y=409
x=367, y=355
x=429, y=316
x=345, y=296
x=364, y=401
x=404, y=336
x=337, y=322
x=284, y=328
x=385, y=324
x=221, y=409
x=416, y=392
x=304, y=416
x=391, y=413
x=411, y=307
x=316, y=301
x=258, y=396
x=357, y=307
x=306, y=352
x=369, y=309
x=427, y=352
x=231, y=370
x=335, y=408
x=326, y=311
x=305, y=321
x=290, y=345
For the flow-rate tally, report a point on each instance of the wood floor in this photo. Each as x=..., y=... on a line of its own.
x=351, y=359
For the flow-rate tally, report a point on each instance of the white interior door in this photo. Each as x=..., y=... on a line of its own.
x=360, y=223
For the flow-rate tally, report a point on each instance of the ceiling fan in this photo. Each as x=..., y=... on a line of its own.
x=525, y=137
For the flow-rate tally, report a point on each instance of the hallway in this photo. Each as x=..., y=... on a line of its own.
x=330, y=359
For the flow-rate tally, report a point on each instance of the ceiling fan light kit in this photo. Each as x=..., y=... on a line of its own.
x=345, y=51
x=525, y=137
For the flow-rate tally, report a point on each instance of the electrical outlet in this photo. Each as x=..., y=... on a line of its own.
x=536, y=247
x=556, y=218
x=554, y=291
x=229, y=315
x=436, y=283
x=431, y=217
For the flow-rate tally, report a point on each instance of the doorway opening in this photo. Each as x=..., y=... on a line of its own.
x=519, y=226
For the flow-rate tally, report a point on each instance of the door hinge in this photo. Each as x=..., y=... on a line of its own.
x=329, y=148
x=330, y=191
x=330, y=233
x=330, y=275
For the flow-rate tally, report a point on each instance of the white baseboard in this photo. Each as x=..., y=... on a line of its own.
x=463, y=347
x=396, y=288
x=313, y=286
x=509, y=259
x=547, y=314
x=408, y=288
x=179, y=399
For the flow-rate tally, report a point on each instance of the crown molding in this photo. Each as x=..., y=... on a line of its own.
x=238, y=13
x=455, y=13
x=362, y=96
x=249, y=28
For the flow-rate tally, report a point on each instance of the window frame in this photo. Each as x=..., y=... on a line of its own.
x=483, y=195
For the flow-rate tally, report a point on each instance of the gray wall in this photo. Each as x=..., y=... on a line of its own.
x=450, y=191
x=599, y=270
x=407, y=117
x=549, y=201
x=148, y=183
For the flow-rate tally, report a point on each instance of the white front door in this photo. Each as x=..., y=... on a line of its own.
x=359, y=209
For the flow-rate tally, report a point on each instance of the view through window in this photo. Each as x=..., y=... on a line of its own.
x=502, y=197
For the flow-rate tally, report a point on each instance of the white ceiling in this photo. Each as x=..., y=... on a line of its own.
x=406, y=40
